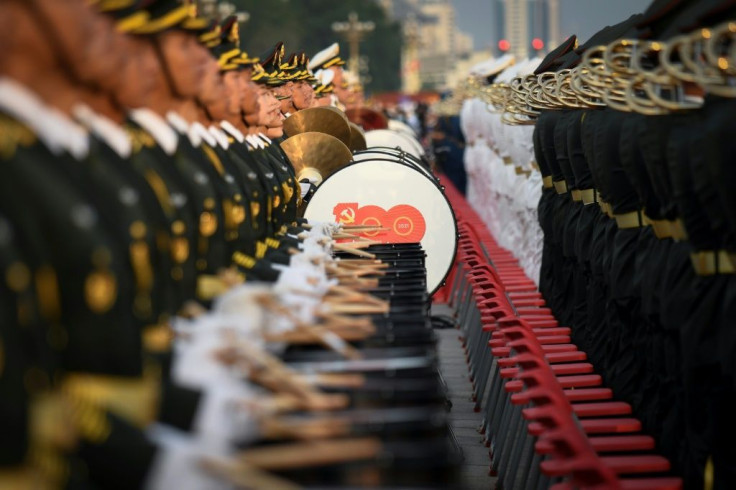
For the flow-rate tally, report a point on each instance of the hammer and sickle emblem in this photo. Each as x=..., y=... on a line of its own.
x=347, y=215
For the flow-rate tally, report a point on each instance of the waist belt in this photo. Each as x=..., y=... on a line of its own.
x=547, y=182
x=667, y=228
x=560, y=186
x=661, y=227
x=589, y=196
x=678, y=230
x=712, y=262
x=634, y=219
x=576, y=195
x=605, y=208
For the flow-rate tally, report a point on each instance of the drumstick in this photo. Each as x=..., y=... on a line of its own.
x=361, y=283
x=335, y=380
x=358, y=244
x=274, y=366
x=244, y=475
x=288, y=401
x=349, y=294
x=333, y=320
x=324, y=428
x=300, y=337
x=360, y=309
x=364, y=227
x=350, y=268
x=354, y=251
x=344, y=236
x=311, y=453
x=354, y=273
x=327, y=338
x=362, y=263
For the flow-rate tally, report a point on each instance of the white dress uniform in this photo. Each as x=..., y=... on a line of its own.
x=504, y=186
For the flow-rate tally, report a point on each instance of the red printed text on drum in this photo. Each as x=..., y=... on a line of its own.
x=403, y=223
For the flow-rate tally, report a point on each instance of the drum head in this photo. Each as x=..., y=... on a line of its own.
x=401, y=127
x=397, y=197
x=394, y=139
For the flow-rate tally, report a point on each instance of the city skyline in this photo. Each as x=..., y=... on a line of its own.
x=581, y=17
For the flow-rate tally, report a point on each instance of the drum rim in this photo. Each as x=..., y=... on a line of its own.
x=440, y=187
x=391, y=148
x=426, y=172
x=418, y=161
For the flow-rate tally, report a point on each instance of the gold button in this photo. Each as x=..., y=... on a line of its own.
x=178, y=227
x=138, y=230
x=17, y=276
x=100, y=291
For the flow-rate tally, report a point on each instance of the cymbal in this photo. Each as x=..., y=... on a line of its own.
x=316, y=155
x=318, y=119
x=357, y=138
x=335, y=109
x=367, y=118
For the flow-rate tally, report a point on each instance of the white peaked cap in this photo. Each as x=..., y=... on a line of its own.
x=493, y=66
x=324, y=77
x=529, y=67
x=324, y=56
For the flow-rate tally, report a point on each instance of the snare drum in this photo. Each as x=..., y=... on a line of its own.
x=396, y=196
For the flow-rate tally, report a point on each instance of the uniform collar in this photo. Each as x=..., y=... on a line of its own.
x=73, y=137
x=265, y=138
x=157, y=127
x=220, y=136
x=177, y=122
x=112, y=134
x=55, y=130
x=255, y=142
x=198, y=129
x=184, y=128
x=232, y=131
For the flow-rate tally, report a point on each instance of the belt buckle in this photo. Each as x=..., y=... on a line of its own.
x=662, y=229
x=725, y=264
x=560, y=186
x=703, y=262
x=678, y=230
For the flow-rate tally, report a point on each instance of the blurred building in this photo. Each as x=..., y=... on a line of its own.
x=527, y=27
x=463, y=66
x=433, y=43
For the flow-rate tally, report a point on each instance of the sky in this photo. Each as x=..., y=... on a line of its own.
x=581, y=17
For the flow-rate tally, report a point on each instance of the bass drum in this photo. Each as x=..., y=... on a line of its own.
x=395, y=155
x=395, y=196
x=401, y=127
x=394, y=139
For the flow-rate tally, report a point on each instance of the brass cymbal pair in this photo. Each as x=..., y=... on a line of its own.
x=329, y=120
x=320, y=142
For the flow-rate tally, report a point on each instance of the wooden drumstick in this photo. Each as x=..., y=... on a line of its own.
x=311, y=453
x=246, y=476
x=323, y=428
x=325, y=337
